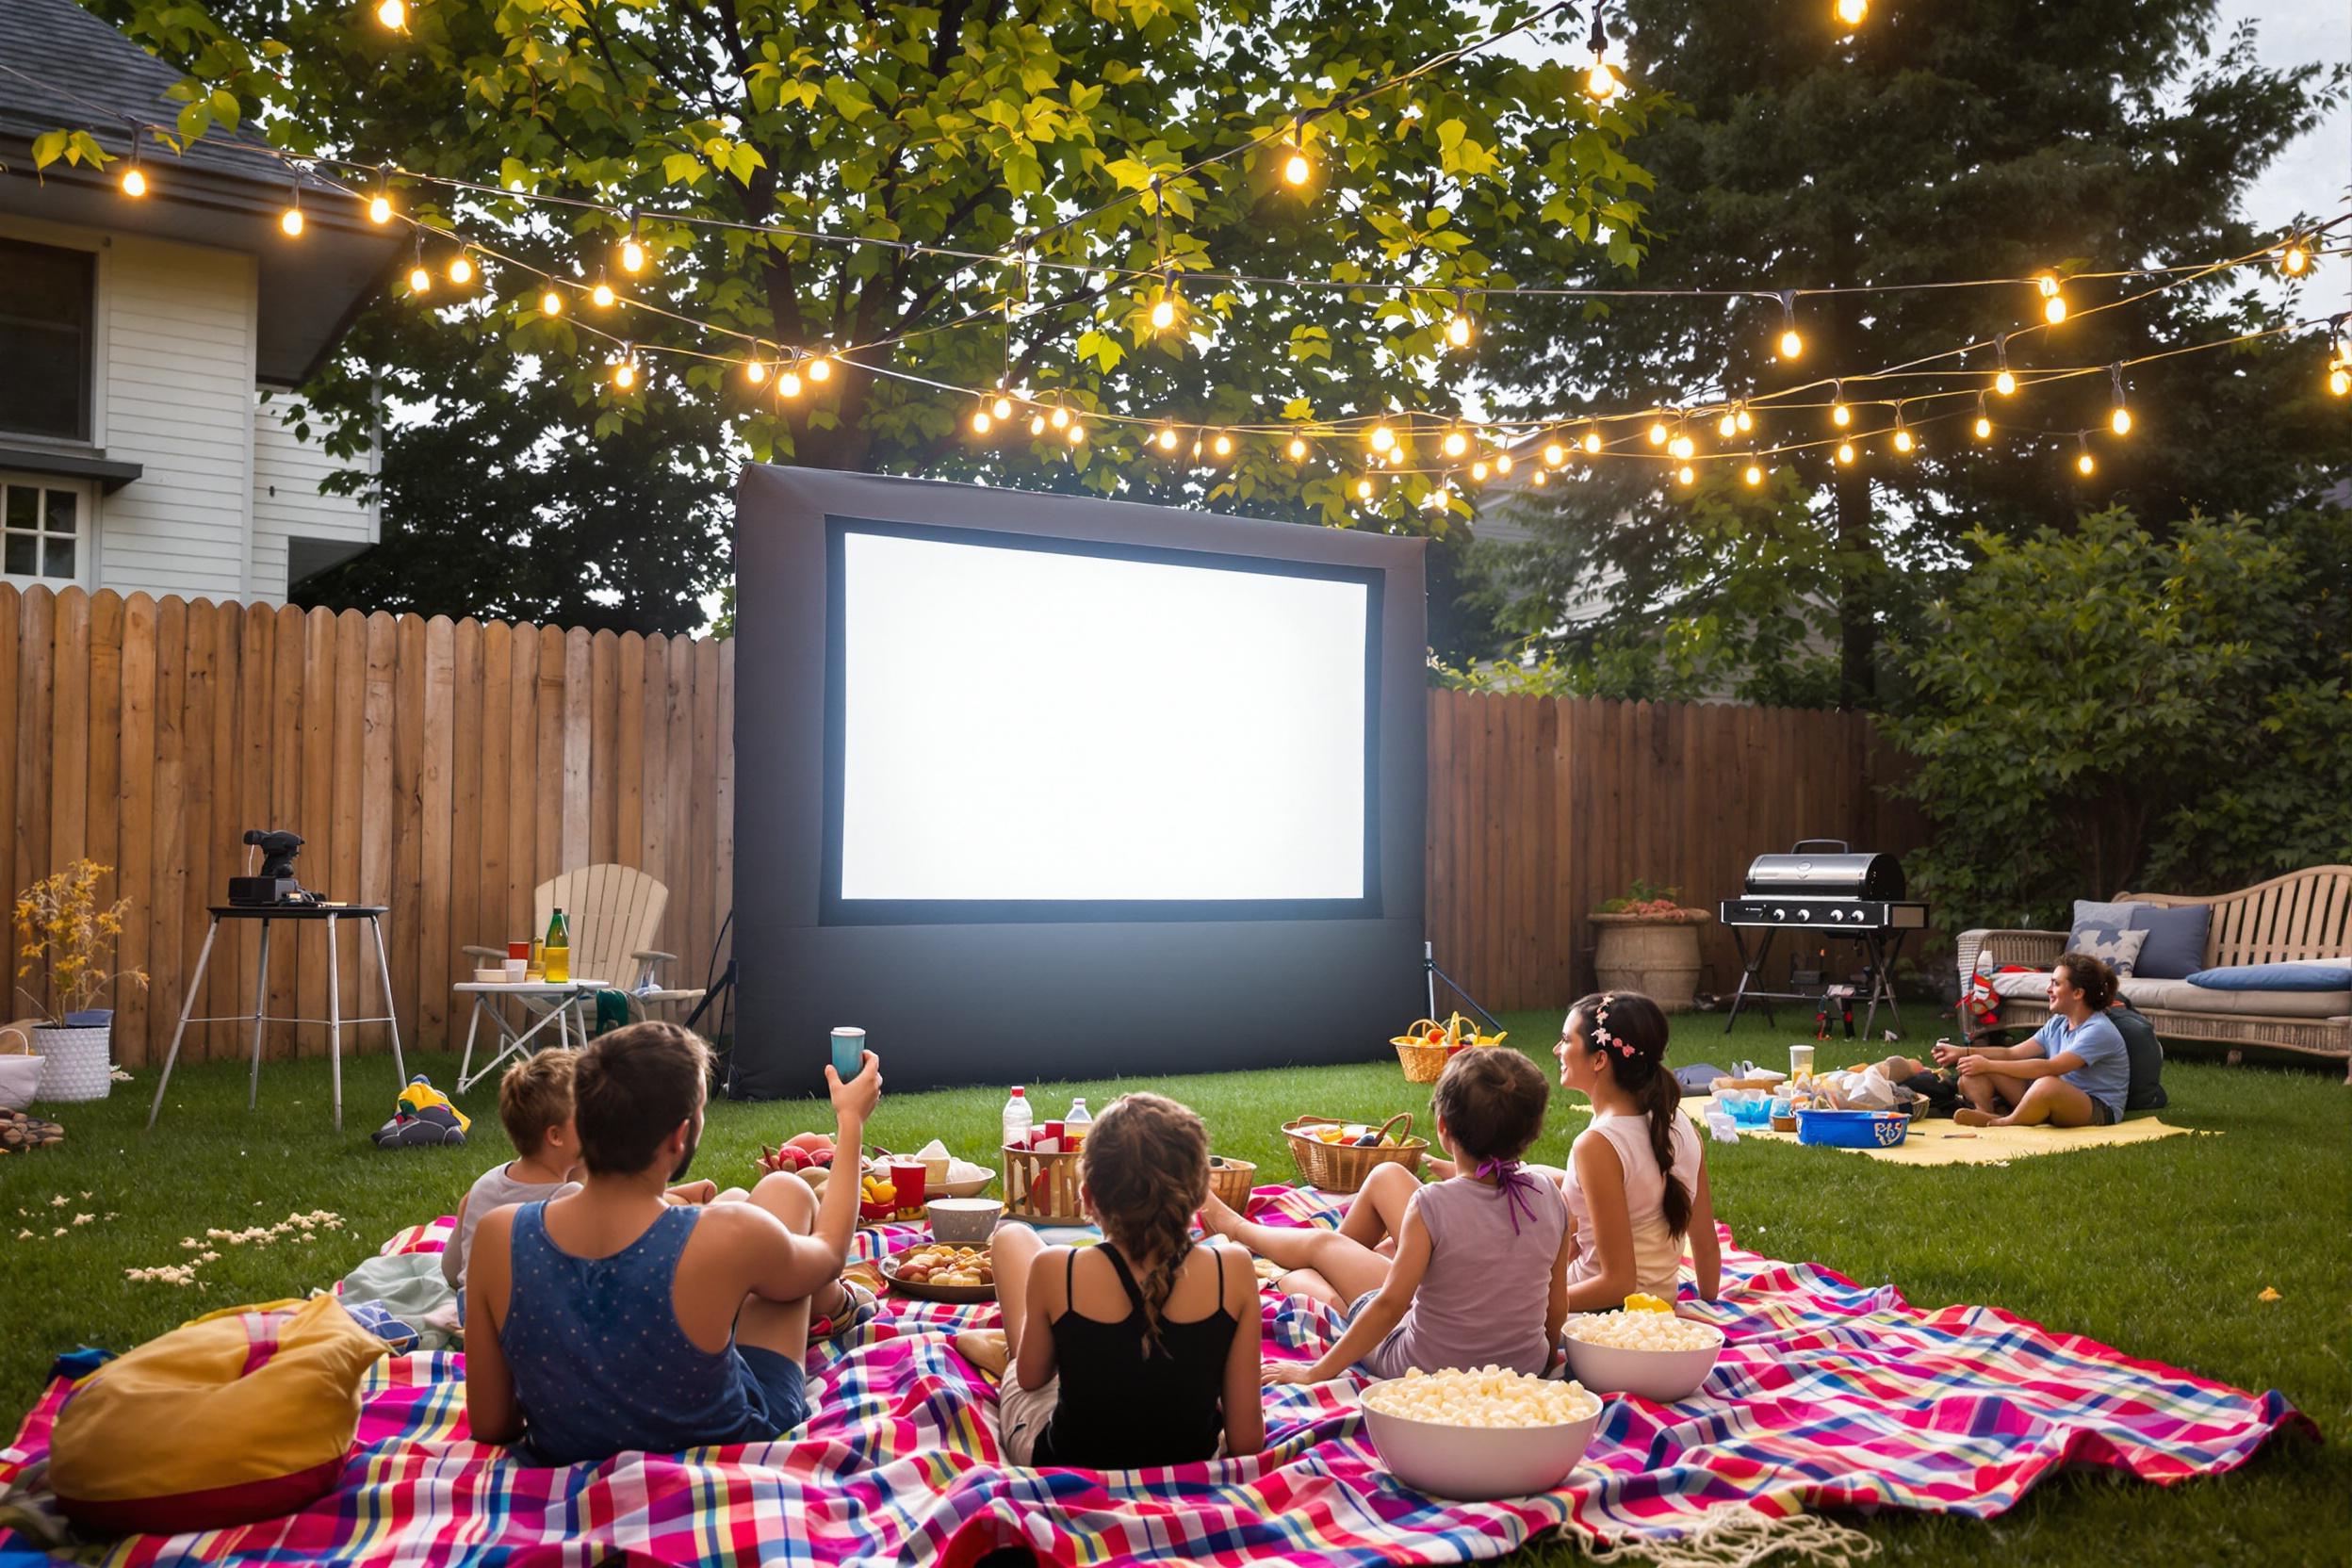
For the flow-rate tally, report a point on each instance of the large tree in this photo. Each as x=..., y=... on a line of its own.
x=997, y=131
x=1977, y=138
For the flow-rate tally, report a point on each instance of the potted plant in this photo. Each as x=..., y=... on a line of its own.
x=1647, y=942
x=64, y=931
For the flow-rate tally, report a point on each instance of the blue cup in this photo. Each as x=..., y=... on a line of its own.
x=849, y=1052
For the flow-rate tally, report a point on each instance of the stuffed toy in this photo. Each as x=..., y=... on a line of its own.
x=422, y=1114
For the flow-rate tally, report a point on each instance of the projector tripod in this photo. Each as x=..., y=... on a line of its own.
x=1432, y=975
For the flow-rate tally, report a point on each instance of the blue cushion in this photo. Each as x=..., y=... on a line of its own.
x=2175, y=940
x=2308, y=974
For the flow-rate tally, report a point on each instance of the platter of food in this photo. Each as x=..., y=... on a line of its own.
x=938, y=1272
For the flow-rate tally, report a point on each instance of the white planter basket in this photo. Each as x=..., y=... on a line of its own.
x=20, y=1070
x=78, y=1063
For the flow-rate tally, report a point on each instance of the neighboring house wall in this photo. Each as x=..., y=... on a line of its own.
x=225, y=485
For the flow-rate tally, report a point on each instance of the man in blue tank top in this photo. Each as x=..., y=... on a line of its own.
x=609, y=1320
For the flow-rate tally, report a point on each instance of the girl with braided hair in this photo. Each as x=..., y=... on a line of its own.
x=1143, y=1350
x=1635, y=1180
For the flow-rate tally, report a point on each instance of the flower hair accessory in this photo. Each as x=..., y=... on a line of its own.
x=1601, y=1037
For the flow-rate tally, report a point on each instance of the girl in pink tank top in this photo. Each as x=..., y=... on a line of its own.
x=1477, y=1278
x=1637, y=1181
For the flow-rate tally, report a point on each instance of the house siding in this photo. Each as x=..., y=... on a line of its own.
x=178, y=400
x=289, y=502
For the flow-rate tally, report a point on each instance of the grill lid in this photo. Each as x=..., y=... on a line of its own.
x=1813, y=869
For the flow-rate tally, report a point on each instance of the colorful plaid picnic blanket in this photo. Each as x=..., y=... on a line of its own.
x=1828, y=1395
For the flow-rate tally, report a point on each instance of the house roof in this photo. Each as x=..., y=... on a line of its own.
x=68, y=69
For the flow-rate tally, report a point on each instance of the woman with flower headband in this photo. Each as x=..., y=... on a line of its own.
x=1479, y=1275
x=1636, y=1182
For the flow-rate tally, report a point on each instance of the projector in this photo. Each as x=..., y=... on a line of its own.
x=276, y=885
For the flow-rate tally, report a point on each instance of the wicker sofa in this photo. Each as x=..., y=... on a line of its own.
x=2305, y=915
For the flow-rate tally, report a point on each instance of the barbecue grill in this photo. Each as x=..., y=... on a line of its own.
x=1822, y=887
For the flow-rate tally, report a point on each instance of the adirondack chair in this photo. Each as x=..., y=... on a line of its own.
x=613, y=912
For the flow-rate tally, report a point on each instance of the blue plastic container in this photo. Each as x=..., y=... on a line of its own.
x=1852, y=1129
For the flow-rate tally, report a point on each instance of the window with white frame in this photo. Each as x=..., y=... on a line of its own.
x=44, y=528
x=47, y=318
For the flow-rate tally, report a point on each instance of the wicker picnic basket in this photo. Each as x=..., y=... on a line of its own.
x=1231, y=1182
x=1042, y=1188
x=1345, y=1167
x=1423, y=1059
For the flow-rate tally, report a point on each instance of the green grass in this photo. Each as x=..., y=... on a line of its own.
x=2160, y=1249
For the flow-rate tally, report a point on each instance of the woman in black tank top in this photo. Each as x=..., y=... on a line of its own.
x=1146, y=1388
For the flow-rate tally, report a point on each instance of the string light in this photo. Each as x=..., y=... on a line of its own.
x=1297, y=450
x=2083, y=463
x=1728, y=426
x=1037, y=425
x=1754, y=474
x=982, y=421
x=1502, y=462
x=290, y=221
x=1478, y=471
x=1222, y=445
x=787, y=383
x=1839, y=415
x=1682, y=445
x=1166, y=439
x=1984, y=425
x=1903, y=442
x=134, y=178
x=1845, y=452
x=1553, y=454
x=1791, y=341
x=2004, y=383
x=2340, y=381
x=1002, y=407
x=460, y=269
x=393, y=15
x=1456, y=442
x=1164, y=308
x=1685, y=473
x=551, y=303
x=1542, y=478
x=1458, y=329
x=821, y=368
x=632, y=250
x=2119, y=416
x=419, y=279
x=1060, y=419
x=1296, y=169
x=601, y=296
x=1601, y=83
x=1076, y=433
x=1658, y=432
x=1383, y=439
x=1742, y=419
x=1363, y=489
x=625, y=368
x=1852, y=13
x=1592, y=440
x=2294, y=256
x=755, y=369
x=2053, y=303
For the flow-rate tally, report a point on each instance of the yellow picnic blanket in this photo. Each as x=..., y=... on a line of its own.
x=1942, y=1141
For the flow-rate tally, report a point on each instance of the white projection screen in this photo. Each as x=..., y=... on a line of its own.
x=1030, y=726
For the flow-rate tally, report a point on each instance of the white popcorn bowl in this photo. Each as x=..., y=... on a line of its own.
x=1476, y=1464
x=1661, y=1375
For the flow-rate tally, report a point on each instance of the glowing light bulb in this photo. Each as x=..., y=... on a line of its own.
x=821, y=369
x=2084, y=465
x=601, y=296
x=1223, y=446
x=1297, y=450
x=1553, y=454
x=1658, y=432
x=1602, y=82
x=1456, y=442
x=1903, y=442
x=420, y=280
x=2055, y=309
x=1060, y=418
x=379, y=209
x=1166, y=439
x=2120, y=420
x=393, y=15
x=134, y=182
x=1744, y=421
x=1852, y=13
x=1075, y=434
x=1682, y=447
x=1296, y=169
x=1839, y=415
x=1383, y=438
x=1002, y=407
x=633, y=254
x=1502, y=462
x=2340, y=381
x=291, y=222
x=787, y=384
x=624, y=374
x=1845, y=452
x=1164, y=311
x=1591, y=442
x=756, y=372
x=1478, y=470
x=2294, y=258
x=1791, y=343
x=1458, y=328
x=1685, y=473
x=1983, y=428
x=1727, y=427
x=981, y=422
x=1754, y=474
x=1036, y=424
x=460, y=269
x=1542, y=478
x=1363, y=489
x=2006, y=383
x=551, y=303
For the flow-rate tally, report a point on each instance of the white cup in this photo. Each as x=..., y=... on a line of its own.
x=514, y=970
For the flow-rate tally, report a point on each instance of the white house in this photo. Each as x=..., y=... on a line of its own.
x=137, y=336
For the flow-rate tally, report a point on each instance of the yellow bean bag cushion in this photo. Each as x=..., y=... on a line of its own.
x=239, y=1416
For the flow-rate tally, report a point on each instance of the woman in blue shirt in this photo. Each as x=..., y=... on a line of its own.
x=2073, y=1073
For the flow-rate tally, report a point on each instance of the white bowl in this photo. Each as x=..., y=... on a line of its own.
x=1476, y=1464
x=964, y=1221
x=1662, y=1376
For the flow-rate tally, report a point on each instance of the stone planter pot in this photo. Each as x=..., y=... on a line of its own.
x=1655, y=955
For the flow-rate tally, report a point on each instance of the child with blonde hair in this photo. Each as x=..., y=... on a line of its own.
x=1476, y=1280
x=535, y=1108
x=1142, y=1351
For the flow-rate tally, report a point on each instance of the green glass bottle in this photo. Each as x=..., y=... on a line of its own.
x=558, y=961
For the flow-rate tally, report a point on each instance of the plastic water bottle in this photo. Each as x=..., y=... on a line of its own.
x=1076, y=1125
x=1018, y=1119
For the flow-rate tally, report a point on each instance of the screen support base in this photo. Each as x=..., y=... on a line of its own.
x=1432, y=975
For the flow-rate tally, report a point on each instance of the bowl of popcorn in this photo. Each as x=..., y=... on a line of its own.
x=1645, y=1349
x=1479, y=1435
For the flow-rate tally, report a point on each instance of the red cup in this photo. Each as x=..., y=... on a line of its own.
x=1053, y=1131
x=519, y=950
x=906, y=1179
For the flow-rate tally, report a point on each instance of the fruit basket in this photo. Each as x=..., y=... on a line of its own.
x=1042, y=1188
x=1424, y=1049
x=1326, y=1162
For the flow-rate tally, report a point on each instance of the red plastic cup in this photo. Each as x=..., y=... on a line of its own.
x=906, y=1179
x=1053, y=1131
x=519, y=950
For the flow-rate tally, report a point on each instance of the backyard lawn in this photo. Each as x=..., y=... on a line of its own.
x=2161, y=1248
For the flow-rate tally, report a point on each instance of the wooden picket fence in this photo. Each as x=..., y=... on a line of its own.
x=447, y=769
x=444, y=768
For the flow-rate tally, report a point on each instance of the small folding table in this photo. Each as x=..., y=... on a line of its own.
x=562, y=1004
